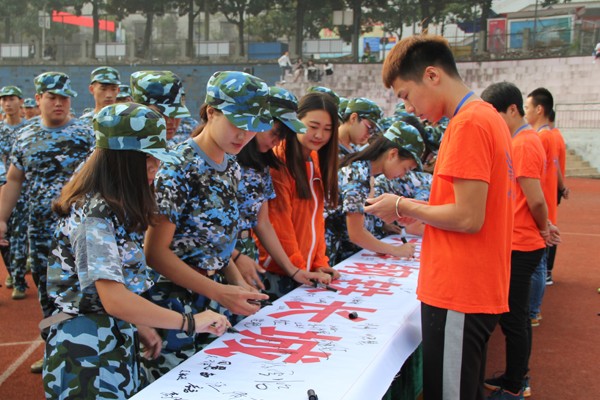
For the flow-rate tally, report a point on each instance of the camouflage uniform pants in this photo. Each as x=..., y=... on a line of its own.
x=17, y=261
x=39, y=247
x=92, y=356
x=338, y=250
x=277, y=286
x=177, y=346
x=247, y=247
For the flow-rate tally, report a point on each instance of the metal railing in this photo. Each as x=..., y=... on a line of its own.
x=65, y=44
x=578, y=115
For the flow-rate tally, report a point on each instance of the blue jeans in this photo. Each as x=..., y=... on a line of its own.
x=538, y=286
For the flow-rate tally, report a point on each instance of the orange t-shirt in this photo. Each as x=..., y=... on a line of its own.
x=529, y=161
x=550, y=181
x=562, y=150
x=464, y=272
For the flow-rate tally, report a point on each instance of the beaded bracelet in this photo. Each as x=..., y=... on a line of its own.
x=396, y=208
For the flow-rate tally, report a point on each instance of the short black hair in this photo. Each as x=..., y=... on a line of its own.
x=502, y=95
x=542, y=97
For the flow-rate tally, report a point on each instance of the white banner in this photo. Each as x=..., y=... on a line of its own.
x=345, y=344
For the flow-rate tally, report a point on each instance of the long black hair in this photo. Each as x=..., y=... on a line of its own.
x=374, y=150
x=328, y=154
x=120, y=178
x=250, y=157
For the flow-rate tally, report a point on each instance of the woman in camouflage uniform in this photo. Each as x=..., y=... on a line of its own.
x=256, y=188
x=97, y=268
x=360, y=122
x=415, y=184
x=393, y=154
x=195, y=234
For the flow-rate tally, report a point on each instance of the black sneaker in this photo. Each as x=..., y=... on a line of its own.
x=549, y=281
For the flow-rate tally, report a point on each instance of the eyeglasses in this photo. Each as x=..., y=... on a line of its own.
x=372, y=129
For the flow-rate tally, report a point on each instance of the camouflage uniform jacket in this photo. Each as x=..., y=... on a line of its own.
x=414, y=185
x=343, y=151
x=8, y=134
x=48, y=157
x=254, y=189
x=88, y=245
x=184, y=131
x=199, y=197
x=354, y=186
x=86, y=119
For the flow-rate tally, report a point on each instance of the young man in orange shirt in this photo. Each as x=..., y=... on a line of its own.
x=465, y=256
x=530, y=233
x=563, y=191
x=538, y=107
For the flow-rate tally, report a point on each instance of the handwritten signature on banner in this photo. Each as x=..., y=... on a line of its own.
x=276, y=351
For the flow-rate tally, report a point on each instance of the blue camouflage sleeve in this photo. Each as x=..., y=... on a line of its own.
x=354, y=189
x=96, y=252
x=2, y=174
x=269, y=189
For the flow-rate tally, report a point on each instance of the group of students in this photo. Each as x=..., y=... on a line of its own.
x=136, y=241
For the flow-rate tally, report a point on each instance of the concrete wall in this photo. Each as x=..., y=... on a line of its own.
x=571, y=80
x=193, y=76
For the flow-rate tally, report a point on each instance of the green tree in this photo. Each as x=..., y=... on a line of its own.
x=394, y=14
x=271, y=25
x=193, y=8
x=236, y=12
x=150, y=9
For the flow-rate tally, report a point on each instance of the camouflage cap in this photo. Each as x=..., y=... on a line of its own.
x=386, y=122
x=326, y=90
x=433, y=137
x=55, y=83
x=11, y=91
x=342, y=107
x=365, y=108
x=242, y=98
x=131, y=126
x=400, y=110
x=407, y=137
x=283, y=106
x=29, y=103
x=124, y=91
x=159, y=88
x=105, y=75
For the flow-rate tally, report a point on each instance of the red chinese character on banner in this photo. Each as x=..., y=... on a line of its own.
x=271, y=344
x=365, y=288
x=321, y=311
x=378, y=269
